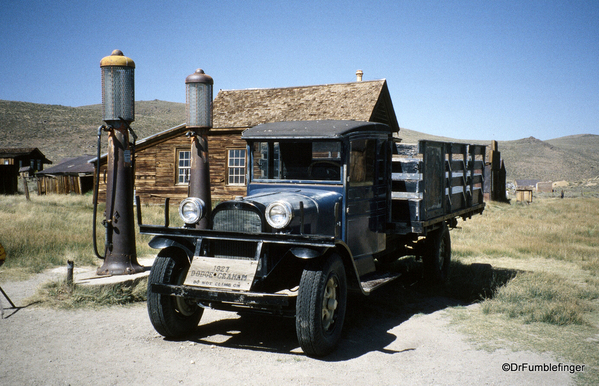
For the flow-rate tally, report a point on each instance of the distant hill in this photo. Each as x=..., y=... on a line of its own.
x=62, y=132
x=572, y=158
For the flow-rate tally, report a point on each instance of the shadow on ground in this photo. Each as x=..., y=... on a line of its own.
x=369, y=319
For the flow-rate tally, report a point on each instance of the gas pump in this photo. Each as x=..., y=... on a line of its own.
x=118, y=110
x=199, y=120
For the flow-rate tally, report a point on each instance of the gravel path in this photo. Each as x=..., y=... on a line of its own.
x=118, y=346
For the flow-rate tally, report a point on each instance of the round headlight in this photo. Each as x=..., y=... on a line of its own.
x=279, y=214
x=192, y=209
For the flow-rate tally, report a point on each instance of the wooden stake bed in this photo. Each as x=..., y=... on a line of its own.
x=418, y=191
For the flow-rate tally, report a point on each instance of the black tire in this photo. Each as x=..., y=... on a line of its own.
x=437, y=255
x=171, y=316
x=321, y=304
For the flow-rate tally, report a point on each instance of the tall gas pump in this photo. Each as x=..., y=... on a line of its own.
x=199, y=121
x=118, y=110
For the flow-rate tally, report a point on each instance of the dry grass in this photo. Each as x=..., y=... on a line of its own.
x=553, y=228
x=59, y=294
x=49, y=230
x=552, y=303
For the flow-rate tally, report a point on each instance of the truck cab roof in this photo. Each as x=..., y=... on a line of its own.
x=325, y=129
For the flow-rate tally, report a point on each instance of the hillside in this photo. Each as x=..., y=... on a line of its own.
x=566, y=158
x=61, y=132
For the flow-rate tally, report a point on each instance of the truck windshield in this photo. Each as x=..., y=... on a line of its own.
x=293, y=160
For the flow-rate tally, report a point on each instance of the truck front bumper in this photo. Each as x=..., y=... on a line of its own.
x=275, y=238
x=231, y=300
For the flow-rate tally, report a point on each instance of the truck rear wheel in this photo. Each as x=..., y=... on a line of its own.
x=321, y=304
x=171, y=316
x=437, y=255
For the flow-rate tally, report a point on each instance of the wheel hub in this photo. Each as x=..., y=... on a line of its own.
x=329, y=304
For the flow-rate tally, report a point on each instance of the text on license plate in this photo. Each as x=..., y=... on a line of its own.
x=215, y=272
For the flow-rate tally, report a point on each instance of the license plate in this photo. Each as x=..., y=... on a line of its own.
x=215, y=272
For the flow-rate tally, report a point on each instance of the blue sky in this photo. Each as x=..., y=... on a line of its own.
x=498, y=70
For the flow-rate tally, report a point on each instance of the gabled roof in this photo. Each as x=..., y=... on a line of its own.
x=311, y=129
x=148, y=141
x=241, y=109
x=71, y=166
x=524, y=183
x=360, y=101
x=31, y=152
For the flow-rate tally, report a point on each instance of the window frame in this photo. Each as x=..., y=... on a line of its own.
x=244, y=169
x=178, y=167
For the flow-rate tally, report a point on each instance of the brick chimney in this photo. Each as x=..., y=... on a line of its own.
x=359, y=74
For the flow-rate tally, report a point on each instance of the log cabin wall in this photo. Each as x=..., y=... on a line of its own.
x=156, y=174
x=219, y=144
x=155, y=171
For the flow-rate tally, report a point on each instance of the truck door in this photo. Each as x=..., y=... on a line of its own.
x=366, y=201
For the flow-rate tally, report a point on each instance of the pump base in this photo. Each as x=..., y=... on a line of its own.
x=120, y=265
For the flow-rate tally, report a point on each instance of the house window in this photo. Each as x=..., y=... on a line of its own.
x=236, y=167
x=183, y=166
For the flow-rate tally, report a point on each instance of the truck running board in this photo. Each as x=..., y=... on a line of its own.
x=374, y=280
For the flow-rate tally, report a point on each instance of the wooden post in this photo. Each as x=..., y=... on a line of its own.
x=26, y=189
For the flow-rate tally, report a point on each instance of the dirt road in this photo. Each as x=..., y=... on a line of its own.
x=413, y=344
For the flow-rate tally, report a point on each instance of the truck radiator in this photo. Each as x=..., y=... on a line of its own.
x=237, y=220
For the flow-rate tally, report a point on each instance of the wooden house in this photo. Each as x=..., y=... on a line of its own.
x=19, y=160
x=545, y=187
x=73, y=175
x=162, y=160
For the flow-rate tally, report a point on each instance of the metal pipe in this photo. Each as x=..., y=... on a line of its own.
x=199, y=174
x=96, y=187
x=138, y=206
x=166, y=212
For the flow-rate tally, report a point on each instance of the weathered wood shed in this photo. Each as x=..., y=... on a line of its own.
x=12, y=160
x=73, y=175
x=545, y=187
x=162, y=160
x=524, y=195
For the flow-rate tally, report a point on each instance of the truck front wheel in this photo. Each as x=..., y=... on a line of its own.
x=171, y=316
x=437, y=255
x=321, y=303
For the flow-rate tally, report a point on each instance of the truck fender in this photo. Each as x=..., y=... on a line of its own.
x=342, y=250
x=308, y=253
x=161, y=242
x=351, y=272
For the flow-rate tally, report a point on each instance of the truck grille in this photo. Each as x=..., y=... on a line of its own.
x=237, y=220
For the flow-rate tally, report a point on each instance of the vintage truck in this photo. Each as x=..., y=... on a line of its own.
x=329, y=205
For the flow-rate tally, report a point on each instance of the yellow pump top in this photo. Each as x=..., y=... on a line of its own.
x=117, y=59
